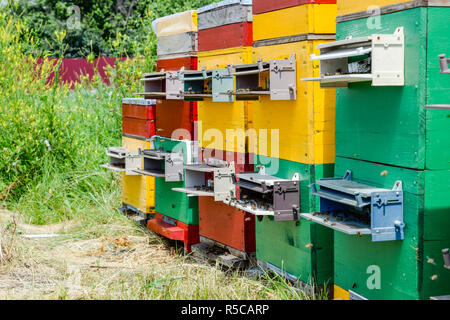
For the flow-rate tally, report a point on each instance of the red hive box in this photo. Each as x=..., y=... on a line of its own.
x=173, y=115
x=174, y=230
x=145, y=112
x=262, y=6
x=228, y=36
x=223, y=25
x=138, y=117
x=222, y=223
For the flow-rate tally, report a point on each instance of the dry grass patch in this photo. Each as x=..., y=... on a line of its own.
x=127, y=263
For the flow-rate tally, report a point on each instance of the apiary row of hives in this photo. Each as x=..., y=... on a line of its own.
x=311, y=137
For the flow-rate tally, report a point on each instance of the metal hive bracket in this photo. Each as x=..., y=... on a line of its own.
x=356, y=208
x=247, y=80
x=280, y=197
x=444, y=62
x=160, y=164
x=223, y=182
x=446, y=254
x=283, y=79
x=286, y=198
x=174, y=86
x=379, y=59
x=173, y=165
x=122, y=160
x=196, y=176
x=222, y=85
x=152, y=163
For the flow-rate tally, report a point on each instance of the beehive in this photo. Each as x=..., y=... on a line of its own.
x=411, y=268
x=395, y=136
x=175, y=117
x=138, y=192
x=217, y=120
x=309, y=18
x=177, y=34
x=138, y=117
x=175, y=230
x=346, y=7
x=220, y=222
x=262, y=6
x=170, y=203
x=302, y=249
x=226, y=24
x=305, y=127
x=394, y=119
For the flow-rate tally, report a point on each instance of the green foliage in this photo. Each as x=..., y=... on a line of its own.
x=51, y=135
x=53, y=138
x=98, y=28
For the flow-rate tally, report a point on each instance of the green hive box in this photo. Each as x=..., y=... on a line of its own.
x=176, y=205
x=391, y=124
x=286, y=245
x=412, y=268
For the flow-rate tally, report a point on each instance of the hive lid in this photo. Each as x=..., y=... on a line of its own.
x=223, y=4
x=181, y=22
x=139, y=101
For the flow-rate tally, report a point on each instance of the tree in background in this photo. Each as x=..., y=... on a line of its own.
x=88, y=28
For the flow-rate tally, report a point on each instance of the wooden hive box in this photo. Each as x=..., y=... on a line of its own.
x=216, y=118
x=301, y=248
x=170, y=203
x=304, y=128
x=174, y=116
x=412, y=268
x=138, y=192
x=262, y=6
x=220, y=222
x=138, y=117
x=392, y=125
x=225, y=24
x=309, y=19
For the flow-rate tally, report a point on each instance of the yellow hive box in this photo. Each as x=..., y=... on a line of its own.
x=223, y=126
x=138, y=191
x=340, y=294
x=305, y=126
x=304, y=19
x=181, y=22
x=352, y=6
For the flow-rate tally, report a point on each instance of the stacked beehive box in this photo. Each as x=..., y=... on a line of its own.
x=348, y=186
x=177, y=48
x=138, y=126
x=299, y=249
x=387, y=137
x=225, y=37
x=177, y=216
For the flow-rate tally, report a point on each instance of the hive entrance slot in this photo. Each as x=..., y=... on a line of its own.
x=160, y=164
x=354, y=208
x=209, y=180
x=197, y=84
x=154, y=85
x=122, y=160
x=265, y=195
x=378, y=58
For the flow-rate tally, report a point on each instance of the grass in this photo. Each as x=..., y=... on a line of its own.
x=118, y=260
x=52, y=144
